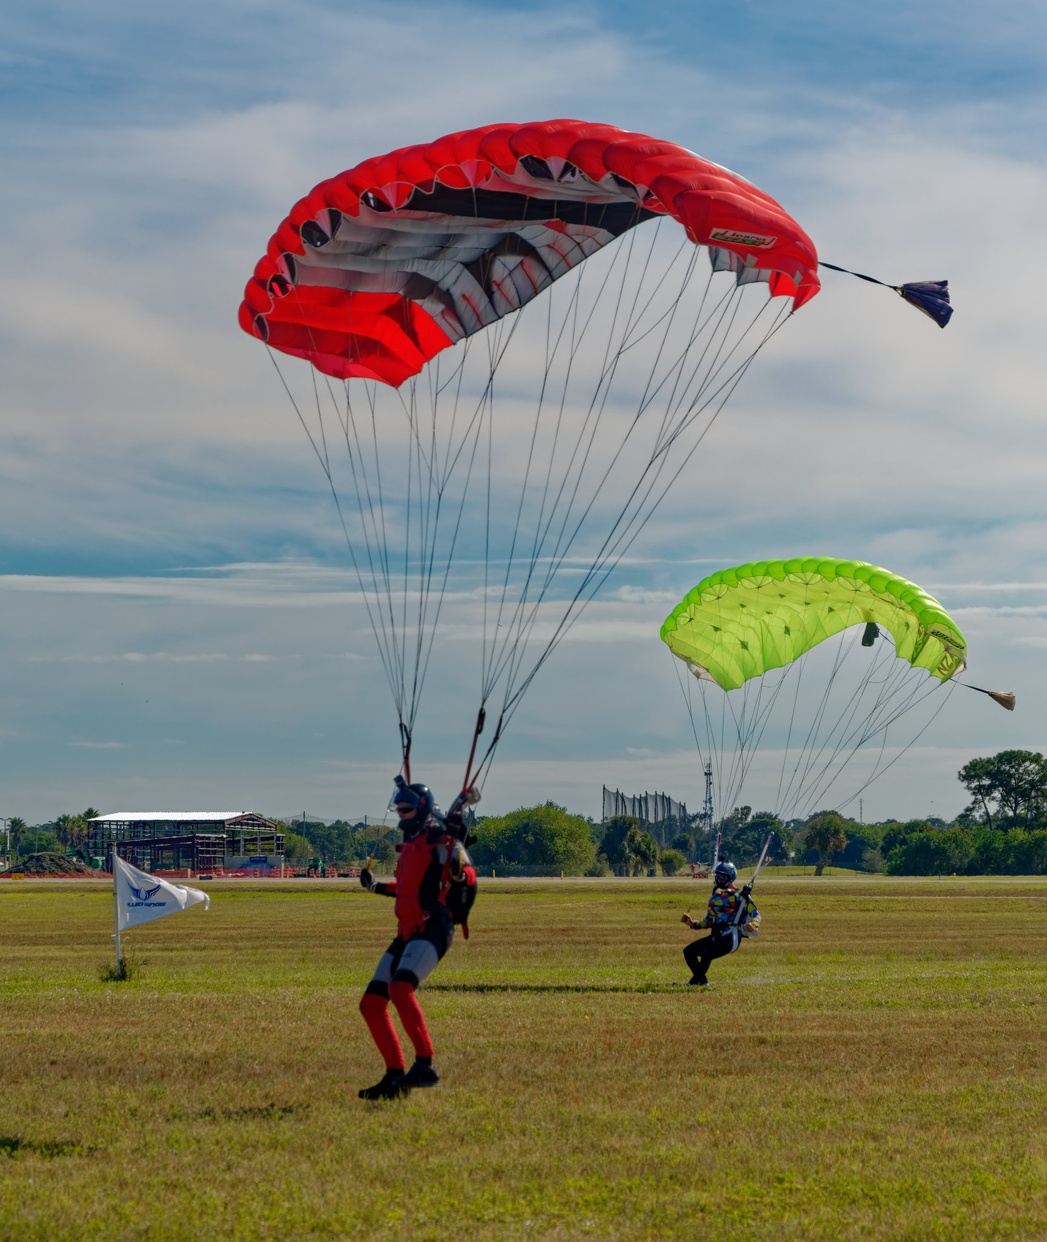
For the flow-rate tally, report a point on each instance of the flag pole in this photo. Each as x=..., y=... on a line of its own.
x=116, y=910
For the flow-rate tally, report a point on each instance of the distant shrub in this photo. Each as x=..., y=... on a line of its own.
x=671, y=861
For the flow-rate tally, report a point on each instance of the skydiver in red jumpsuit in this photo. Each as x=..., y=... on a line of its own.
x=424, y=931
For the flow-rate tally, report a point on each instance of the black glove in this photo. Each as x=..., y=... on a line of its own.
x=366, y=879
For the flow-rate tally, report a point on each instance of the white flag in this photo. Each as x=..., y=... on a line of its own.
x=141, y=897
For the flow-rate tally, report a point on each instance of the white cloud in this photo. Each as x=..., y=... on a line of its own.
x=143, y=432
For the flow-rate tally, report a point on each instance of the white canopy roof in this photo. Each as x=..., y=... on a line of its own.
x=170, y=817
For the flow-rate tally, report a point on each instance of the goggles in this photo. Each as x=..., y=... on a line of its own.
x=404, y=800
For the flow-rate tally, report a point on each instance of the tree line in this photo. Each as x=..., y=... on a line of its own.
x=1002, y=830
x=64, y=835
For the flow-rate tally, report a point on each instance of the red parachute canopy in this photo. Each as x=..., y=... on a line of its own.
x=378, y=269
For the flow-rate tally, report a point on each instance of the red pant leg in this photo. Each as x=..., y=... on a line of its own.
x=403, y=997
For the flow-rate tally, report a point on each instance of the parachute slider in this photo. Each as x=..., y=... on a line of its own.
x=929, y=296
x=1003, y=697
x=871, y=634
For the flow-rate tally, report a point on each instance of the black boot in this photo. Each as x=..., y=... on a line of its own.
x=421, y=1074
x=389, y=1088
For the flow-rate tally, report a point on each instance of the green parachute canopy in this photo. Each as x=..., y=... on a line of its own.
x=739, y=623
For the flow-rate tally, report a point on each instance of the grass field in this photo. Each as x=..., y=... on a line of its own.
x=873, y=1067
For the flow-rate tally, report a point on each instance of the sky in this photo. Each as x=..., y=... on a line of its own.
x=179, y=627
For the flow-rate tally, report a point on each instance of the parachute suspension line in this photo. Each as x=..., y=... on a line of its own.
x=631, y=520
x=470, y=441
x=383, y=635
x=372, y=526
x=880, y=771
x=913, y=698
x=427, y=625
x=827, y=750
x=726, y=784
x=429, y=515
x=897, y=694
x=749, y=726
x=760, y=716
x=491, y=640
x=429, y=534
x=809, y=756
x=730, y=779
x=491, y=666
x=805, y=759
x=910, y=696
x=487, y=558
x=620, y=257
x=798, y=679
x=691, y=364
x=527, y=610
x=508, y=654
x=633, y=515
x=428, y=469
x=685, y=690
x=610, y=554
x=326, y=467
x=472, y=436
x=816, y=777
x=705, y=399
x=412, y=477
x=726, y=313
x=430, y=498
x=492, y=623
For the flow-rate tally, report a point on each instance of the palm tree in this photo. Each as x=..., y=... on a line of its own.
x=15, y=832
x=71, y=830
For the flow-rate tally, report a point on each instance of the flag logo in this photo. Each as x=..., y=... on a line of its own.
x=143, y=894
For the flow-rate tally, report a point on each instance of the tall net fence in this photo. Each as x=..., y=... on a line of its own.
x=658, y=813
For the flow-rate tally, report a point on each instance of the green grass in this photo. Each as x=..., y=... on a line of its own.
x=872, y=1067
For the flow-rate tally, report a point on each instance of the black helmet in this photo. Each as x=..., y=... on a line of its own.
x=414, y=804
x=725, y=873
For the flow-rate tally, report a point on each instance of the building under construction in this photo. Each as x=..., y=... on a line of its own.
x=201, y=841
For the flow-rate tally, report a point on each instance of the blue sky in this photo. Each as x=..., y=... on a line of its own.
x=175, y=616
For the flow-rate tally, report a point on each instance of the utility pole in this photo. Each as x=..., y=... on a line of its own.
x=707, y=805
